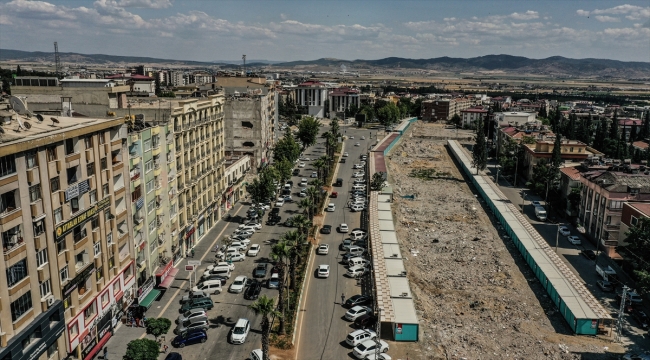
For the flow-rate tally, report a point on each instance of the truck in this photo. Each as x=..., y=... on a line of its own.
x=606, y=272
x=540, y=212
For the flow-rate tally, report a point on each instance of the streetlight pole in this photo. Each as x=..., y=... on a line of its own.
x=523, y=202
x=516, y=165
x=557, y=236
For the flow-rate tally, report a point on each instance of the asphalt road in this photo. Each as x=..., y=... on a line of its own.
x=322, y=330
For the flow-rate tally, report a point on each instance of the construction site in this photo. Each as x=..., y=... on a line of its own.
x=475, y=296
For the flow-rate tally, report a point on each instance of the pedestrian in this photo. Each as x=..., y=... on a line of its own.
x=342, y=298
x=165, y=347
x=105, y=352
x=144, y=319
x=187, y=253
x=132, y=321
x=192, y=252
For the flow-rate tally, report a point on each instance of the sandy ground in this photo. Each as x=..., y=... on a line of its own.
x=476, y=298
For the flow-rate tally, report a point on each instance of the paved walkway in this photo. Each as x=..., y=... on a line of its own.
x=203, y=249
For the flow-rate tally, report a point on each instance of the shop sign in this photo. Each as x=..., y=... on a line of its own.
x=189, y=233
x=594, y=323
x=77, y=189
x=145, y=289
x=81, y=277
x=67, y=227
x=399, y=328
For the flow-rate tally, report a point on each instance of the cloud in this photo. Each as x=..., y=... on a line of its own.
x=528, y=15
x=605, y=18
x=582, y=13
x=632, y=12
x=149, y=4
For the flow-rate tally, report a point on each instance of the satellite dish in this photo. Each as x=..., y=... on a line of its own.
x=18, y=105
x=54, y=121
x=27, y=125
x=39, y=117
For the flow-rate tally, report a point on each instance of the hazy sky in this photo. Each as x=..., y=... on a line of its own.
x=308, y=29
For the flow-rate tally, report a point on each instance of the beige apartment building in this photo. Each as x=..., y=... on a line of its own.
x=67, y=271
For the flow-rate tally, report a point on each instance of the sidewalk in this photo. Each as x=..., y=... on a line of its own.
x=203, y=250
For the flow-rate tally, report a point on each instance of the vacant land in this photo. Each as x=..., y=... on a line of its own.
x=475, y=296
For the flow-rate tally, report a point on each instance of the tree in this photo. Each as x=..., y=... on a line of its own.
x=157, y=326
x=307, y=205
x=335, y=128
x=479, y=152
x=263, y=306
x=601, y=133
x=286, y=148
x=369, y=111
x=319, y=164
x=638, y=244
x=574, y=198
x=292, y=238
x=142, y=349
x=456, y=120
x=540, y=179
x=645, y=128
x=308, y=129
x=261, y=188
x=284, y=169
x=542, y=112
x=634, y=133
x=19, y=72
x=570, y=132
x=280, y=252
x=351, y=110
x=377, y=181
x=388, y=114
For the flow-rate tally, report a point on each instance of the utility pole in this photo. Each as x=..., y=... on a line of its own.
x=557, y=236
x=621, y=314
x=244, y=58
x=57, y=59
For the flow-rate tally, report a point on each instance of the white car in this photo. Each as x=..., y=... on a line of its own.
x=381, y=356
x=357, y=207
x=356, y=271
x=359, y=174
x=352, y=137
x=357, y=144
x=323, y=249
x=306, y=159
x=238, y=285
x=345, y=154
x=358, y=336
x=263, y=206
x=323, y=271
x=368, y=347
x=357, y=166
x=357, y=234
x=343, y=228
x=236, y=257
x=358, y=187
x=314, y=174
x=274, y=281
x=254, y=226
x=356, y=312
x=279, y=202
x=229, y=251
x=574, y=240
x=303, y=182
x=239, y=245
x=222, y=263
x=564, y=231
x=254, y=250
x=301, y=165
x=330, y=207
x=302, y=194
x=363, y=138
x=288, y=198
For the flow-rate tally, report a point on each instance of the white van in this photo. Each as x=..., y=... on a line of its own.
x=358, y=187
x=357, y=261
x=356, y=250
x=218, y=270
x=240, y=331
x=209, y=287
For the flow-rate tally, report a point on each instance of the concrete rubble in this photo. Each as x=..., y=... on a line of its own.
x=476, y=297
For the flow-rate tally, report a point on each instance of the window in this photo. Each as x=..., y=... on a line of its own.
x=155, y=140
x=90, y=169
x=78, y=233
x=101, y=137
x=46, y=288
x=74, y=204
x=67, y=301
x=99, y=274
x=31, y=159
x=58, y=215
x=94, y=223
x=88, y=141
x=149, y=186
x=107, y=215
x=98, y=248
x=64, y=274
x=105, y=298
x=136, y=194
x=17, y=272
x=52, y=349
x=103, y=163
x=39, y=227
x=35, y=193
x=93, y=196
x=54, y=184
x=73, y=174
x=116, y=287
x=150, y=206
x=105, y=190
x=89, y=311
x=109, y=238
x=61, y=246
x=148, y=166
x=634, y=220
x=616, y=204
x=8, y=202
x=69, y=146
x=41, y=257
x=608, y=221
x=51, y=153
x=152, y=226
x=74, y=330
x=21, y=305
x=147, y=145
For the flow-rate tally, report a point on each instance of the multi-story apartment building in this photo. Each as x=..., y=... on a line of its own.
x=341, y=99
x=177, y=78
x=312, y=95
x=199, y=149
x=443, y=109
x=152, y=171
x=570, y=151
x=67, y=270
x=471, y=116
x=235, y=174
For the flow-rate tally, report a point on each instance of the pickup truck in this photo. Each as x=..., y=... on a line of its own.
x=606, y=272
x=540, y=212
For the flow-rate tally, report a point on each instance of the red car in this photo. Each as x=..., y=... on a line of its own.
x=334, y=194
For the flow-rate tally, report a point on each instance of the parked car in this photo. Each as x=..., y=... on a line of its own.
x=368, y=347
x=358, y=336
x=345, y=244
x=605, y=286
x=240, y=331
x=194, y=295
x=288, y=198
x=381, y=356
x=191, y=324
x=343, y=228
x=192, y=314
x=236, y=257
x=357, y=311
x=209, y=287
x=279, y=202
x=303, y=182
x=574, y=240
x=537, y=203
x=357, y=234
x=189, y=338
x=261, y=270
x=356, y=271
x=274, y=281
x=221, y=278
x=274, y=220
x=564, y=231
x=357, y=300
x=334, y=194
x=365, y=321
x=326, y=229
x=253, y=291
x=296, y=172
x=330, y=207
x=589, y=254
x=323, y=271
x=203, y=303
x=254, y=250
x=301, y=165
x=238, y=284
x=314, y=174
x=323, y=249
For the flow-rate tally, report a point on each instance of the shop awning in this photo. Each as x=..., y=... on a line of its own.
x=99, y=346
x=146, y=302
x=168, y=280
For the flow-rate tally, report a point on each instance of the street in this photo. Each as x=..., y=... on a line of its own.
x=322, y=330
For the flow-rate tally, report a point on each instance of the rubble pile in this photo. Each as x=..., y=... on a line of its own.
x=476, y=297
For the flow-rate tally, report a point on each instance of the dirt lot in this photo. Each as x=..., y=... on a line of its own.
x=476, y=298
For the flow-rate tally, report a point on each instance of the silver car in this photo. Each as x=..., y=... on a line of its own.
x=191, y=324
x=192, y=314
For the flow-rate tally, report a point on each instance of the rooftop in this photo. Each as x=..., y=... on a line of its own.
x=642, y=207
x=571, y=172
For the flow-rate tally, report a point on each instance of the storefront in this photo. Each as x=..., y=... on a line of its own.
x=201, y=226
x=189, y=237
x=41, y=335
x=166, y=275
x=147, y=294
x=91, y=328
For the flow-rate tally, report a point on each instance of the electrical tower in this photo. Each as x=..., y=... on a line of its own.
x=244, y=58
x=57, y=59
x=621, y=314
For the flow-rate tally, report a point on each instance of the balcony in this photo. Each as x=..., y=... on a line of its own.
x=79, y=236
x=613, y=227
x=13, y=244
x=135, y=175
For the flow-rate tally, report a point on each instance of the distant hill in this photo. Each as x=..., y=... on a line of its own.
x=555, y=65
